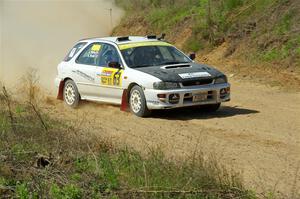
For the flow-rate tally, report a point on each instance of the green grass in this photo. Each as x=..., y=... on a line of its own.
x=232, y=4
x=281, y=52
x=89, y=167
x=22, y=191
x=285, y=23
x=165, y=18
x=65, y=192
x=261, y=5
x=193, y=44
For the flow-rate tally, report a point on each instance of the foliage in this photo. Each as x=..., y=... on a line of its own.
x=22, y=191
x=69, y=191
x=193, y=44
x=81, y=166
x=240, y=22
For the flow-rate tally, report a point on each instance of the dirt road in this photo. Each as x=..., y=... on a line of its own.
x=258, y=133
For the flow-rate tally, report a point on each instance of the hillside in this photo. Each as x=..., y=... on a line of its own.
x=251, y=38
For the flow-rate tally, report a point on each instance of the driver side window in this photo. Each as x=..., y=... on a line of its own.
x=108, y=54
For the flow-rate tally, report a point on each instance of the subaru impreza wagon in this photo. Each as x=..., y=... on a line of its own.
x=141, y=73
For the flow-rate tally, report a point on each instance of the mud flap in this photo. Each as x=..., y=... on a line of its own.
x=61, y=90
x=124, y=103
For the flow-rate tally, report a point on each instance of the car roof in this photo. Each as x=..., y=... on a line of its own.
x=131, y=39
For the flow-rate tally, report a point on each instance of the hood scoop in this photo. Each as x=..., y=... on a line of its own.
x=176, y=66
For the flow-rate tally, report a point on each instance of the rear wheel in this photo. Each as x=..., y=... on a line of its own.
x=71, y=94
x=137, y=102
x=211, y=107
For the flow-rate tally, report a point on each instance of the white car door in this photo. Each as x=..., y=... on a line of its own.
x=109, y=79
x=84, y=71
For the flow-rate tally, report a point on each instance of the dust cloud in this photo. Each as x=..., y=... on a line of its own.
x=38, y=34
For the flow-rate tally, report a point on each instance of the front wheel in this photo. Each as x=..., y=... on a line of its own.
x=71, y=94
x=137, y=102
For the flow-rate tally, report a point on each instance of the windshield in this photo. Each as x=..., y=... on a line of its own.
x=144, y=56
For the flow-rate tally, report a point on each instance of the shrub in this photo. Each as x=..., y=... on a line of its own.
x=232, y=4
x=22, y=191
x=193, y=44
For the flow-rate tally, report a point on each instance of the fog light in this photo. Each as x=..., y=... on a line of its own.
x=174, y=98
x=162, y=97
x=223, y=91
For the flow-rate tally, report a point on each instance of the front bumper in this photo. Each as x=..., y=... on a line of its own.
x=208, y=94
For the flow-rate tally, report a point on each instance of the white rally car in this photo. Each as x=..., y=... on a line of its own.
x=141, y=73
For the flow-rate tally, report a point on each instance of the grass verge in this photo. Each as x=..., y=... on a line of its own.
x=41, y=157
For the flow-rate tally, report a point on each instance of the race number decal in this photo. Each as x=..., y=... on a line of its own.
x=96, y=47
x=93, y=53
x=111, y=77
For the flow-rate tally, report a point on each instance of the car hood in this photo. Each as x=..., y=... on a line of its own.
x=181, y=72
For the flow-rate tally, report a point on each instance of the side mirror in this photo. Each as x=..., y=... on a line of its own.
x=114, y=64
x=192, y=56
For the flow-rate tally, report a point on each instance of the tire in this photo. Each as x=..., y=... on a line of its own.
x=137, y=102
x=71, y=94
x=211, y=107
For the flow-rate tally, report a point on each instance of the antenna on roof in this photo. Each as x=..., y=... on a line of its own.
x=162, y=37
x=111, y=18
x=120, y=39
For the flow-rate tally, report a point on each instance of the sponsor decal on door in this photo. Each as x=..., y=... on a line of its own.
x=111, y=77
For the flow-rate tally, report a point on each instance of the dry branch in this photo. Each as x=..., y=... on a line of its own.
x=7, y=188
x=39, y=116
x=95, y=158
x=7, y=99
x=233, y=193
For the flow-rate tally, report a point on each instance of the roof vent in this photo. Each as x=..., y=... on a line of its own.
x=120, y=39
x=151, y=37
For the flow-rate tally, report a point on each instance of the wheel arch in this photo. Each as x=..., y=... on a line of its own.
x=126, y=96
x=145, y=111
x=61, y=88
x=131, y=85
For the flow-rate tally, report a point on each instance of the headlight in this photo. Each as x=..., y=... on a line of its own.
x=165, y=85
x=221, y=80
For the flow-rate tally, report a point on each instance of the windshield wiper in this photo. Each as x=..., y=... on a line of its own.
x=164, y=63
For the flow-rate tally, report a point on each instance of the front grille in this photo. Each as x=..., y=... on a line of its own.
x=197, y=82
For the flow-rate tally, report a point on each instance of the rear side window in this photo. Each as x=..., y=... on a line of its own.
x=74, y=50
